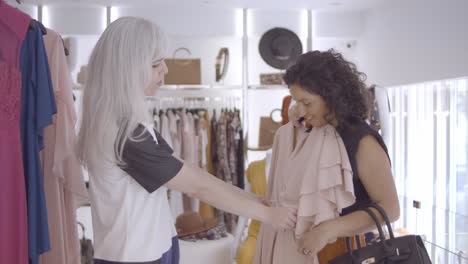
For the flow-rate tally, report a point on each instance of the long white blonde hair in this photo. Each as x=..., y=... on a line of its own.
x=119, y=70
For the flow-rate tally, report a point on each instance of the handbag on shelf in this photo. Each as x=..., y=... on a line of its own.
x=183, y=71
x=408, y=249
x=268, y=127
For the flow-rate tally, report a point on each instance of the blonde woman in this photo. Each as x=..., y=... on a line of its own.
x=130, y=164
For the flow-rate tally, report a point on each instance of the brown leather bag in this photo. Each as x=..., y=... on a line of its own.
x=268, y=128
x=183, y=71
x=336, y=249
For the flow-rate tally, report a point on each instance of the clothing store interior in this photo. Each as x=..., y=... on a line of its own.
x=229, y=112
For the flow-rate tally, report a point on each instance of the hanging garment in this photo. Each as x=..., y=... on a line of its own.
x=232, y=126
x=13, y=209
x=37, y=109
x=214, y=145
x=63, y=180
x=203, y=133
x=195, y=137
x=175, y=133
x=256, y=175
x=224, y=172
x=196, y=159
x=240, y=157
x=313, y=175
x=165, y=129
x=175, y=197
x=188, y=153
x=157, y=122
x=206, y=210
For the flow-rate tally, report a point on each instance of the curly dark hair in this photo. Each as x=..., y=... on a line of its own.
x=336, y=80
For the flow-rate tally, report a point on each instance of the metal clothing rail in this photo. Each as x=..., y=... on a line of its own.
x=199, y=91
x=209, y=97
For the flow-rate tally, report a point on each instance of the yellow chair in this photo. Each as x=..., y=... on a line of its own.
x=256, y=176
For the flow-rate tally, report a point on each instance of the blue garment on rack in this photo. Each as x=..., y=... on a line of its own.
x=37, y=108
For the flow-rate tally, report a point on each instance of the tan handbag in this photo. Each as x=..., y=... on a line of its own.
x=268, y=128
x=183, y=71
x=338, y=248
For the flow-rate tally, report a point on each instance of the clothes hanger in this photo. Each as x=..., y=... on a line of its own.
x=67, y=52
x=31, y=24
x=42, y=28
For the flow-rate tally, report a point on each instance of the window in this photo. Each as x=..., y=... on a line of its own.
x=426, y=130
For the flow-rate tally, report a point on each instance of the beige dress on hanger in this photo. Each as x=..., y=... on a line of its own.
x=312, y=174
x=64, y=185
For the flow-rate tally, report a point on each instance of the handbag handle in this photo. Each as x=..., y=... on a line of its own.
x=82, y=228
x=271, y=114
x=379, y=228
x=385, y=217
x=181, y=62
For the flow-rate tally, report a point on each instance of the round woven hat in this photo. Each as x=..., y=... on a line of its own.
x=280, y=47
x=191, y=223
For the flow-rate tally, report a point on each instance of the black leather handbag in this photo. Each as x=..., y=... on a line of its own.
x=399, y=250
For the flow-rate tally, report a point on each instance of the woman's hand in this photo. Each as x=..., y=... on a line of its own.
x=293, y=115
x=297, y=119
x=315, y=240
x=282, y=217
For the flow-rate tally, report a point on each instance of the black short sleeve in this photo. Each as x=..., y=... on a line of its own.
x=149, y=163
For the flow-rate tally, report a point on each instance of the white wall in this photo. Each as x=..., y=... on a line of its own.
x=415, y=41
x=350, y=24
x=188, y=20
x=201, y=29
x=75, y=19
x=339, y=31
x=29, y=9
x=400, y=42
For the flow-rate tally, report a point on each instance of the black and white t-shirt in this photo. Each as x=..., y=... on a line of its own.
x=132, y=219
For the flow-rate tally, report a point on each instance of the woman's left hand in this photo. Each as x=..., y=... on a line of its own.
x=315, y=240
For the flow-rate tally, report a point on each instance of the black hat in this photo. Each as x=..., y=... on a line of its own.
x=280, y=47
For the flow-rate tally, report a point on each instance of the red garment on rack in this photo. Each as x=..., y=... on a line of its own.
x=13, y=211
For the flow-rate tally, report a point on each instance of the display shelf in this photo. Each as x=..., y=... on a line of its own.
x=267, y=87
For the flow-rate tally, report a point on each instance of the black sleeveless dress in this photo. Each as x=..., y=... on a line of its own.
x=352, y=135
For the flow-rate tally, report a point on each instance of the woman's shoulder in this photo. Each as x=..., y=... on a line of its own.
x=357, y=129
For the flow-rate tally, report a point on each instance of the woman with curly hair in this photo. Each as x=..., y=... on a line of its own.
x=334, y=177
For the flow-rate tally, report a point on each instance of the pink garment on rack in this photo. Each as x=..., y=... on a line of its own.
x=63, y=180
x=314, y=176
x=13, y=27
x=175, y=197
x=176, y=137
x=189, y=154
x=13, y=209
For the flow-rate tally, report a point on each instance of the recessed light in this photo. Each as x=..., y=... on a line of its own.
x=335, y=3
